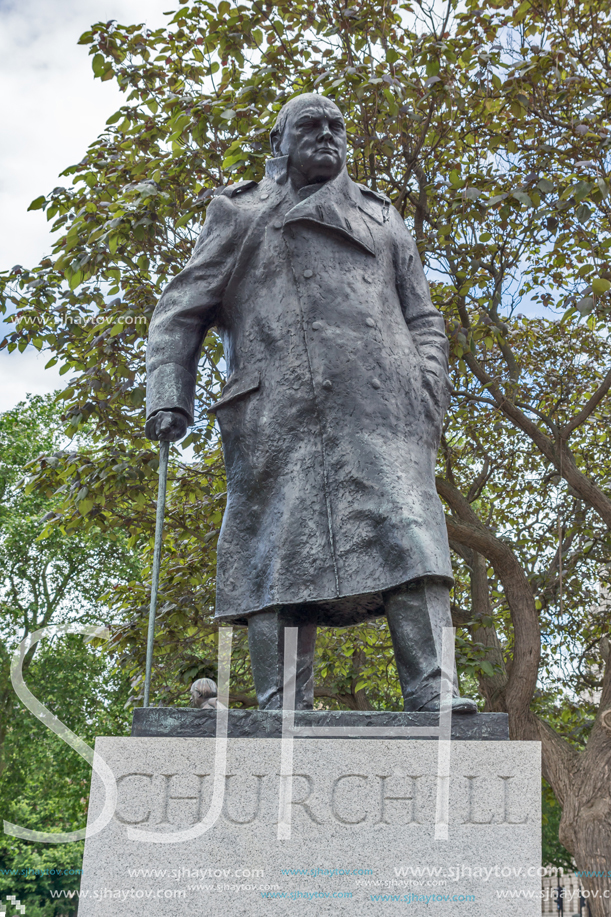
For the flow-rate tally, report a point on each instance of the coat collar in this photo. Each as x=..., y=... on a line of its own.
x=334, y=206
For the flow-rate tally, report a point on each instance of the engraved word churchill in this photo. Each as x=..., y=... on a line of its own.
x=337, y=385
x=355, y=799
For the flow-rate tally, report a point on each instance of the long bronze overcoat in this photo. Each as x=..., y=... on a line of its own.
x=336, y=388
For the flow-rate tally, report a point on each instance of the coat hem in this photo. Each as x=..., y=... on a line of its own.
x=338, y=611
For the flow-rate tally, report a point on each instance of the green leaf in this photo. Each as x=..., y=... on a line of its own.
x=600, y=285
x=582, y=189
x=496, y=199
x=85, y=507
x=186, y=218
x=98, y=64
x=523, y=198
x=75, y=279
x=38, y=203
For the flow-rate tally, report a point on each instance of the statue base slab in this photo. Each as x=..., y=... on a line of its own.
x=186, y=722
x=365, y=826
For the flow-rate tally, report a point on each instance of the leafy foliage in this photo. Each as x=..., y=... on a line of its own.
x=45, y=785
x=46, y=581
x=52, y=579
x=473, y=123
x=487, y=127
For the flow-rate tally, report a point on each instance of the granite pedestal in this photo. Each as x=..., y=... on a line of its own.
x=362, y=829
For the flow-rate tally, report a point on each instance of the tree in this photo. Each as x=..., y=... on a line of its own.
x=486, y=125
x=45, y=785
x=50, y=580
x=43, y=582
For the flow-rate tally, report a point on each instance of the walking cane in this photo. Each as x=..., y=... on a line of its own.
x=164, y=451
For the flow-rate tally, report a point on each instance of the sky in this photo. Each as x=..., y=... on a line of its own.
x=51, y=108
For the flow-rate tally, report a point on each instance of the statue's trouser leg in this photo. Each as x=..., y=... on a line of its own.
x=417, y=614
x=266, y=644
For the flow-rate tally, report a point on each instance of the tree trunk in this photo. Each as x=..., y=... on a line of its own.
x=466, y=528
x=585, y=827
x=492, y=686
x=581, y=781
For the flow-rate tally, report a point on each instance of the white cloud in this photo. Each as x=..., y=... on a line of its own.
x=24, y=374
x=51, y=108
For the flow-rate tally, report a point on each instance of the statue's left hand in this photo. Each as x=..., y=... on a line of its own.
x=437, y=392
x=167, y=426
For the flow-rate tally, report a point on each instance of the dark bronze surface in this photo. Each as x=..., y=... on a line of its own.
x=185, y=722
x=337, y=385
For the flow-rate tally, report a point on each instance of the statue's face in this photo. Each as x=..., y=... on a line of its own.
x=314, y=139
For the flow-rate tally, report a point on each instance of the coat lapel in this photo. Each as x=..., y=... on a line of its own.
x=334, y=208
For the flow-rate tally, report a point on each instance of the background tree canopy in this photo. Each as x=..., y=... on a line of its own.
x=43, y=784
x=487, y=126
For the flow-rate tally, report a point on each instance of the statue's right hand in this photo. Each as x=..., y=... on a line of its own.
x=167, y=425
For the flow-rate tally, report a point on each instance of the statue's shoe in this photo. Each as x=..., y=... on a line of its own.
x=459, y=705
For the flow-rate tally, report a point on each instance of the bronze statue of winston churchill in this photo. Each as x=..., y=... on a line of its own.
x=337, y=385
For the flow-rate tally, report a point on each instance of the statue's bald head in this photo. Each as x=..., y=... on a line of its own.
x=291, y=108
x=310, y=130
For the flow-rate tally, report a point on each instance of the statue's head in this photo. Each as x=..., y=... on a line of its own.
x=310, y=130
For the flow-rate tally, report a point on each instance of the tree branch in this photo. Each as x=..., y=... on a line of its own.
x=467, y=529
x=557, y=452
x=592, y=404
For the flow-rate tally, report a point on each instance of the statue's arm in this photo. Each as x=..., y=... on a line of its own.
x=424, y=321
x=186, y=311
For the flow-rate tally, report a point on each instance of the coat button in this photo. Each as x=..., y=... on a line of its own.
x=369, y=321
x=316, y=326
x=327, y=384
x=308, y=273
x=278, y=224
x=375, y=383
